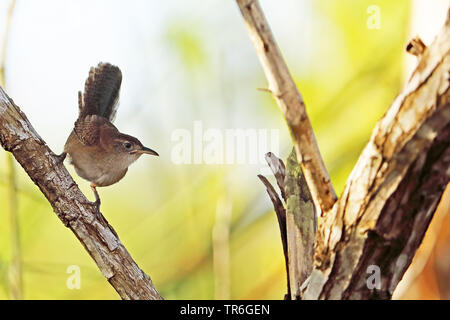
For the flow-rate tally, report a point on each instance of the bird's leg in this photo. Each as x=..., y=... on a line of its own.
x=61, y=157
x=96, y=203
x=97, y=209
x=97, y=197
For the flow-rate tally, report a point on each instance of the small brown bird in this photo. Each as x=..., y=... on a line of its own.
x=98, y=151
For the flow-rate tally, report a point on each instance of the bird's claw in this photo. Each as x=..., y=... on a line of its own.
x=98, y=215
x=61, y=157
x=96, y=205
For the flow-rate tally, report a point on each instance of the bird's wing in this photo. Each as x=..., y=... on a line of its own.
x=101, y=92
x=87, y=129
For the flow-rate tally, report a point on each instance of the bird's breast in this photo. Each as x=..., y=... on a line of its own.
x=94, y=164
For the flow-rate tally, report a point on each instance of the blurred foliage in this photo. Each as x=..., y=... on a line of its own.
x=187, y=44
x=164, y=213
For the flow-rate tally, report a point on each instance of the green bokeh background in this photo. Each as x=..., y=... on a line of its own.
x=166, y=214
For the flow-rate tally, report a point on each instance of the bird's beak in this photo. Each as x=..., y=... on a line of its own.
x=148, y=151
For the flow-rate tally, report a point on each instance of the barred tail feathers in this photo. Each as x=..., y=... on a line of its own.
x=101, y=92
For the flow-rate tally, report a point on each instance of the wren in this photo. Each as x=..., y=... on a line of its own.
x=100, y=153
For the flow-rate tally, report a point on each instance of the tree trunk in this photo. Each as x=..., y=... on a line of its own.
x=367, y=239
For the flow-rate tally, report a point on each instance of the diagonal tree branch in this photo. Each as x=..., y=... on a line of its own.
x=283, y=88
x=392, y=193
x=394, y=189
x=19, y=137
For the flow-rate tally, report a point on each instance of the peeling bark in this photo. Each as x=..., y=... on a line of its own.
x=393, y=191
x=296, y=218
x=301, y=226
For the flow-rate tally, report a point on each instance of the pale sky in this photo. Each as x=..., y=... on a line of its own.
x=53, y=43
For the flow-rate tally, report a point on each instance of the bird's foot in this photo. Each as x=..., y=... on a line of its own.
x=98, y=214
x=96, y=203
x=61, y=157
x=96, y=206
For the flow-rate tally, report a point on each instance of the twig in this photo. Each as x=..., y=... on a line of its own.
x=280, y=212
x=18, y=136
x=368, y=239
x=283, y=88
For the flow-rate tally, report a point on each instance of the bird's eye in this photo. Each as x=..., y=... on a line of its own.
x=127, y=145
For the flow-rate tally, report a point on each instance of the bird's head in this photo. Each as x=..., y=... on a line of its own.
x=130, y=148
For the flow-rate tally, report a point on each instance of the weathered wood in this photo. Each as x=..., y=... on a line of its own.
x=296, y=218
x=392, y=193
x=301, y=226
x=284, y=90
x=280, y=212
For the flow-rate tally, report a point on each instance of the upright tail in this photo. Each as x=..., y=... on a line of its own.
x=101, y=92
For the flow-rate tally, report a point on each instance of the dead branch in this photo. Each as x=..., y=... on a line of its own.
x=283, y=88
x=18, y=136
x=392, y=193
x=296, y=218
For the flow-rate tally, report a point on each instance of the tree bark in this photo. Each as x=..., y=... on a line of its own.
x=18, y=136
x=284, y=90
x=392, y=193
x=394, y=189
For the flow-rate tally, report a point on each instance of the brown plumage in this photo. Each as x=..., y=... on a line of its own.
x=101, y=97
x=101, y=91
x=98, y=151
